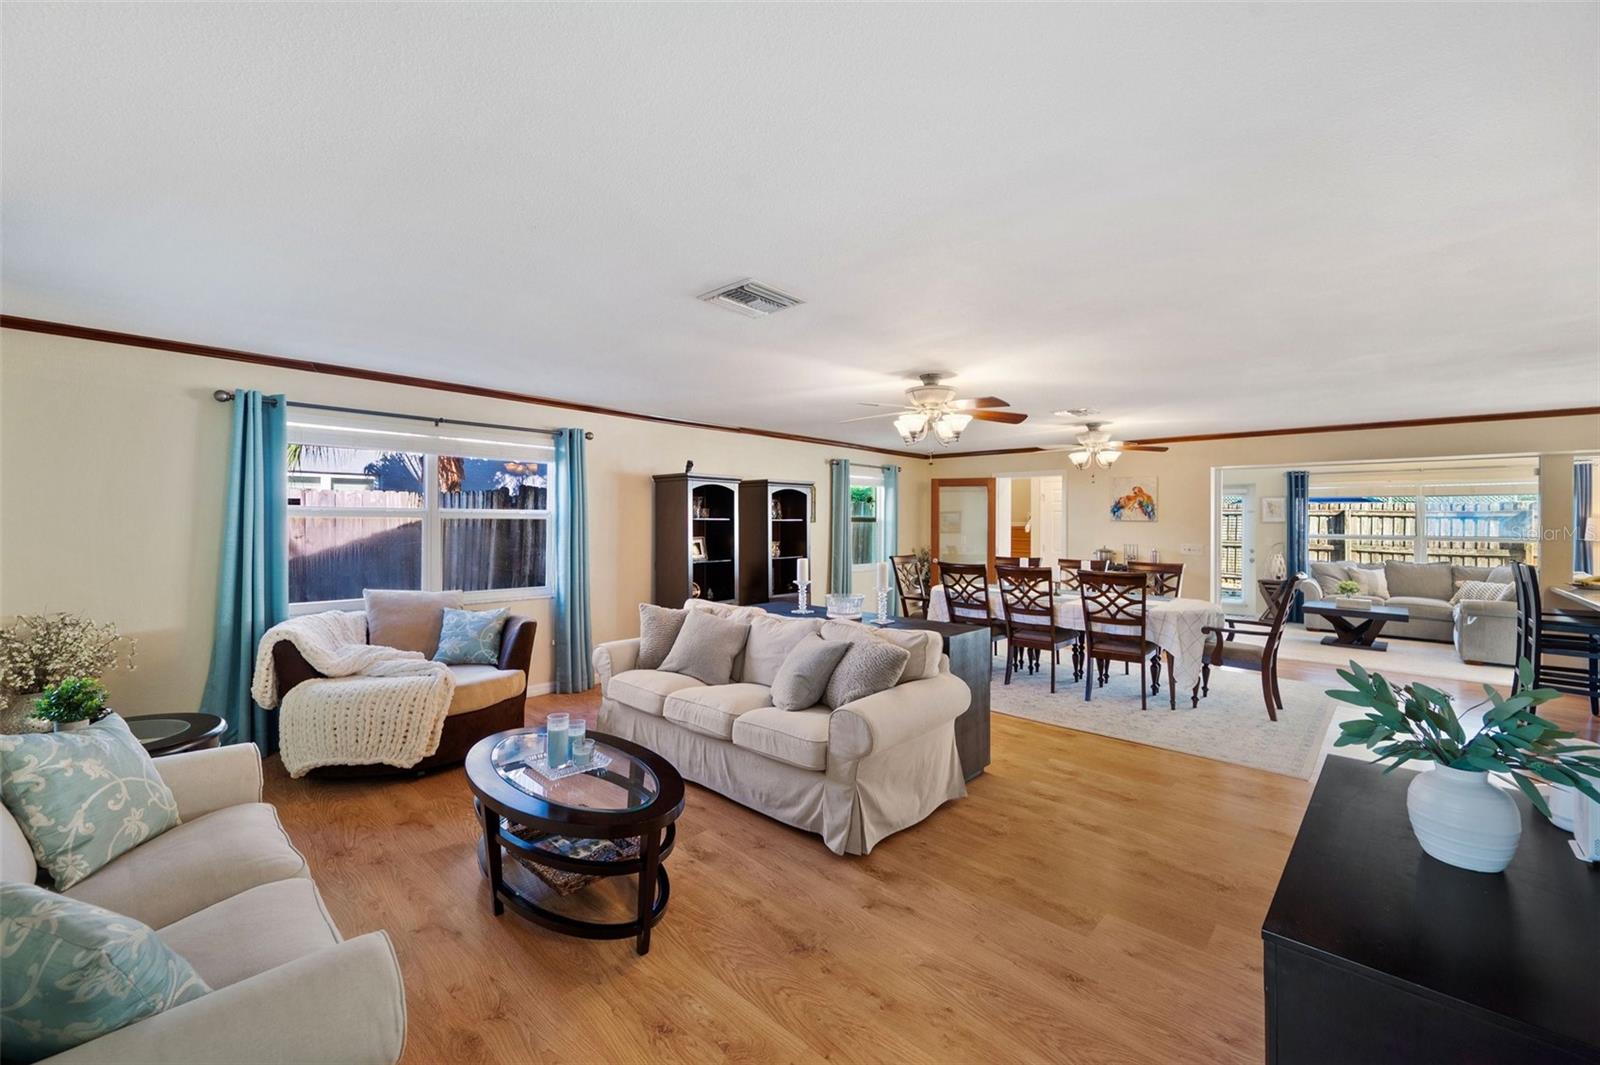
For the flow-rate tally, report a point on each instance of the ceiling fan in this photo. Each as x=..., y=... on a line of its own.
x=1095, y=445
x=934, y=408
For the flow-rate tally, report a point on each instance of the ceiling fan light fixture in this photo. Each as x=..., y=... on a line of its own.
x=1106, y=458
x=1079, y=459
x=911, y=427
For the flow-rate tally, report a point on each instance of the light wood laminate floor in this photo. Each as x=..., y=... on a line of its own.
x=1091, y=900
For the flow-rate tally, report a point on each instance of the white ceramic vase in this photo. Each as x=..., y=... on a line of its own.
x=1463, y=820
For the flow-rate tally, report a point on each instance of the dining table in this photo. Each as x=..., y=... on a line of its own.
x=1173, y=624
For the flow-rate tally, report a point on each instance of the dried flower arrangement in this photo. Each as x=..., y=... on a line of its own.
x=38, y=650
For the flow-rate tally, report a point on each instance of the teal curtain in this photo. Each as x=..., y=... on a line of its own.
x=1297, y=538
x=253, y=582
x=838, y=528
x=1582, y=500
x=889, y=522
x=573, y=672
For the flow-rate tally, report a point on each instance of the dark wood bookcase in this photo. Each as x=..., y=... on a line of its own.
x=775, y=519
x=689, y=506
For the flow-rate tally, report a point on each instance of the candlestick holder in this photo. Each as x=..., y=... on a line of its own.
x=882, y=617
x=803, y=599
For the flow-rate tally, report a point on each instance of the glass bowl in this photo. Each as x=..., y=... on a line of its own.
x=842, y=605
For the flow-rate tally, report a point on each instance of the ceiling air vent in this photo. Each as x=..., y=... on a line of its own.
x=750, y=299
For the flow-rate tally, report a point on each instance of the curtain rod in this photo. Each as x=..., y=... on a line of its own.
x=223, y=395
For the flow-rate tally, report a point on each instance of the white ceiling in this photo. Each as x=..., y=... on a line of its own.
x=1196, y=218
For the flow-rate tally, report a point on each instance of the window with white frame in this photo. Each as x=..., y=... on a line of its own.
x=866, y=505
x=415, y=510
x=1456, y=519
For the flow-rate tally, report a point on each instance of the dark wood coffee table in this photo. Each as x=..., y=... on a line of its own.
x=1357, y=626
x=638, y=796
x=175, y=733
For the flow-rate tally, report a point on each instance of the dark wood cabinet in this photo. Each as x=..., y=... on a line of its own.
x=775, y=521
x=696, y=538
x=1375, y=952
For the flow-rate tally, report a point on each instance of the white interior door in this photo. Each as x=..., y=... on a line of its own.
x=1049, y=519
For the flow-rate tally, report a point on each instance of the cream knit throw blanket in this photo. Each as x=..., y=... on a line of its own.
x=375, y=705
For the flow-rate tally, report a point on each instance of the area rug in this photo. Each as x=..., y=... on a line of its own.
x=1229, y=725
x=1404, y=658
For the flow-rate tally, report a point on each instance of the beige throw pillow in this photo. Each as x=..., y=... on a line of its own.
x=923, y=645
x=658, y=630
x=706, y=647
x=803, y=677
x=1374, y=582
x=869, y=667
x=767, y=649
x=409, y=621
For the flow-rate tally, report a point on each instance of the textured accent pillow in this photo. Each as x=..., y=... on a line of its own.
x=1374, y=582
x=771, y=640
x=924, y=646
x=706, y=647
x=1488, y=591
x=471, y=637
x=409, y=621
x=869, y=667
x=806, y=670
x=74, y=972
x=658, y=628
x=83, y=797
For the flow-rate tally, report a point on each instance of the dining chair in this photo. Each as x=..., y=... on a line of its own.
x=1166, y=578
x=909, y=582
x=1113, y=604
x=966, y=597
x=1015, y=561
x=1569, y=639
x=1027, y=600
x=1071, y=567
x=1221, y=649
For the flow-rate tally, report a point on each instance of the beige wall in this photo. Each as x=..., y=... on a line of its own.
x=113, y=471
x=1184, y=478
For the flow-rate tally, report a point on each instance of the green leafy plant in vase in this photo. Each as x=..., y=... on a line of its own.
x=72, y=704
x=1347, y=588
x=1457, y=815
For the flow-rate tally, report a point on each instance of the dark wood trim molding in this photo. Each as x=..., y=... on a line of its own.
x=208, y=351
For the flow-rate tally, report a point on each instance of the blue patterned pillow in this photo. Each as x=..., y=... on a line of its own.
x=471, y=637
x=83, y=797
x=74, y=972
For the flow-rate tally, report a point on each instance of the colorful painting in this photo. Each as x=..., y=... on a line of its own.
x=1133, y=499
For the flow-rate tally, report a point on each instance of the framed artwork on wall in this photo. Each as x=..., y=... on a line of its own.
x=1272, y=510
x=1133, y=499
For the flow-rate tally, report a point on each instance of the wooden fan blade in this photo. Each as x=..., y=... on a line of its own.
x=981, y=403
x=1138, y=447
x=1006, y=416
x=873, y=417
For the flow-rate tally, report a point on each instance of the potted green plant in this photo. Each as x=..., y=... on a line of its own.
x=72, y=704
x=38, y=650
x=1349, y=594
x=1457, y=815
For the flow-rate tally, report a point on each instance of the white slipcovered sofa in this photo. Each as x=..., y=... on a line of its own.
x=227, y=890
x=853, y=775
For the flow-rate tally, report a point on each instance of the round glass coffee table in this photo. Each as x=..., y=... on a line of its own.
x=637, y=795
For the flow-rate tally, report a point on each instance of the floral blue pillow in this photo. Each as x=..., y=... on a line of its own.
x=74, y=972
x=471, y=637
x=83, y=797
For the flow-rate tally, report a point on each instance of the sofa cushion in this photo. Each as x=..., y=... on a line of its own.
x=471, y=637
x=1422, y=609
x=706, y=648
x=658, y=628
x=1420, y=580
x=253, y=931
x=481, y=686
x=646, y=690
x=408, y=620
x=803, y=678
x=796, y=737
x=712, y=711
x=197, y=864
x=771, y=640
x=84, y=797
x=869, y=667
x=74, y=972
x=1328, y=575
x=1373, y=581
x=923, y=645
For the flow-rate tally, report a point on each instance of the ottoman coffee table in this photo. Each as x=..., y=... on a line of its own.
x=638, y=795
x=1357, y=626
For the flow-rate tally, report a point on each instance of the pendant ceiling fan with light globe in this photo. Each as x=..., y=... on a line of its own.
x=932, y=409
x=1094, y=444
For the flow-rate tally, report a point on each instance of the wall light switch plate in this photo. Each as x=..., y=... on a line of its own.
x=1191, y=549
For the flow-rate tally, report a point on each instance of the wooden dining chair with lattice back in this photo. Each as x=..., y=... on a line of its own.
x=1563, y=649
x=910, y=581
x=1027, y=600
x=966, y=597
x=1071, y=567
x=1014, y=561
x=1222, y=650
x=1166, y=578
x=1114, y=630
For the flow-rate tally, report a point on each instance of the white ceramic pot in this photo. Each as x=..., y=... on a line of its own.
x=70, y=726
x=1463, y=820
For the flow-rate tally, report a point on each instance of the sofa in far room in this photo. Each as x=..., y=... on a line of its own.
x=1482, y=629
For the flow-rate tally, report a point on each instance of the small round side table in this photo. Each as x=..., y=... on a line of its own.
x=176, y=733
